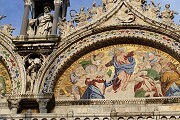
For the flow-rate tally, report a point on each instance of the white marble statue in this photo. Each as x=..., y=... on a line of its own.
x=81, y=18
x=167, y=15
x=45, y=22
x=32, y=72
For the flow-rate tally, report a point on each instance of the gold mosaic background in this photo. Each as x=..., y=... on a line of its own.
x=152, y=73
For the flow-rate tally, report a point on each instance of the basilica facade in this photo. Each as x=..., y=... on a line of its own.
x=116, y=61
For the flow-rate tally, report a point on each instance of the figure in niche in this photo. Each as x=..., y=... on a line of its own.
x=124, y=64
x=80, y=18
x=138, y=4
x=7, y=29
x=152, y=10
x=32, y=71
x=107, y=4
x=167, y=15
x=43, y=24
x=95, y=12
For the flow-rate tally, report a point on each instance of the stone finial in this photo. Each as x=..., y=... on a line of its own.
x=167, y=15
x=7, y=29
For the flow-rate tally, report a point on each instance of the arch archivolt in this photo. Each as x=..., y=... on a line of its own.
x=13, y=63
x=56, y=65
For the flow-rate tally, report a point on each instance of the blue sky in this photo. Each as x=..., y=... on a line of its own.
x=13, y=9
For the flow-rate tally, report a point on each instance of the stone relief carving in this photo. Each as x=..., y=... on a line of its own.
x=152, y=10
x=167, y=15
x=138, y=4
x=108, y=4
x=95, y=11
x=33, y=65
x=125, y=15
x=65, y=27
x=7, y=29
x=80, y=18
x=42, y=25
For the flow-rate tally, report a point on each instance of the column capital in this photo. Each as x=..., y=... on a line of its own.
x=27, y=2
x=57, y=1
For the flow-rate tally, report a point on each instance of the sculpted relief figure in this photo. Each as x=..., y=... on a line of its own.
x=80, y=18
x=108, y=4
x=95, y=11
x=65, y=27
x=152, y=10
x=7, y=29
x=138, y=4
x=32, y=72
x=42, y=23
x=167, y=15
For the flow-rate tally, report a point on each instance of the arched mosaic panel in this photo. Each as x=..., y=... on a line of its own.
x=119, y=72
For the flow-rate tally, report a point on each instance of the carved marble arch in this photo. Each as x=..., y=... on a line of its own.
x=107, y=31
x=142, y=39
x=11, y=64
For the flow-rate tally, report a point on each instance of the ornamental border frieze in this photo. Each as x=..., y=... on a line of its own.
x=50, y=76
x=11, y=61
x=136, y=101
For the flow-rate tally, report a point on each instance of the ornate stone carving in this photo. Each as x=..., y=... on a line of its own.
x=42, y=25
x=14, y=104
x=124, y=15
x=138, y=4
x=42, y=105
x=32, y=67
x=65, y=27
x=108, y=4
x=7, y=29
x=95, y=11
x=80, y=18
x=167, y=15
x=151, y=10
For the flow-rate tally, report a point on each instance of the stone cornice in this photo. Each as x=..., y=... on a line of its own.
x=135, y=101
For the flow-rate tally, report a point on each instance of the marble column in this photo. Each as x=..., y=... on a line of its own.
x=24, y=25
x=57, y=4
x=42, y=105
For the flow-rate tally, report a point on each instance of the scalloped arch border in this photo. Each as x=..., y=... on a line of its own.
x=60, y=58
